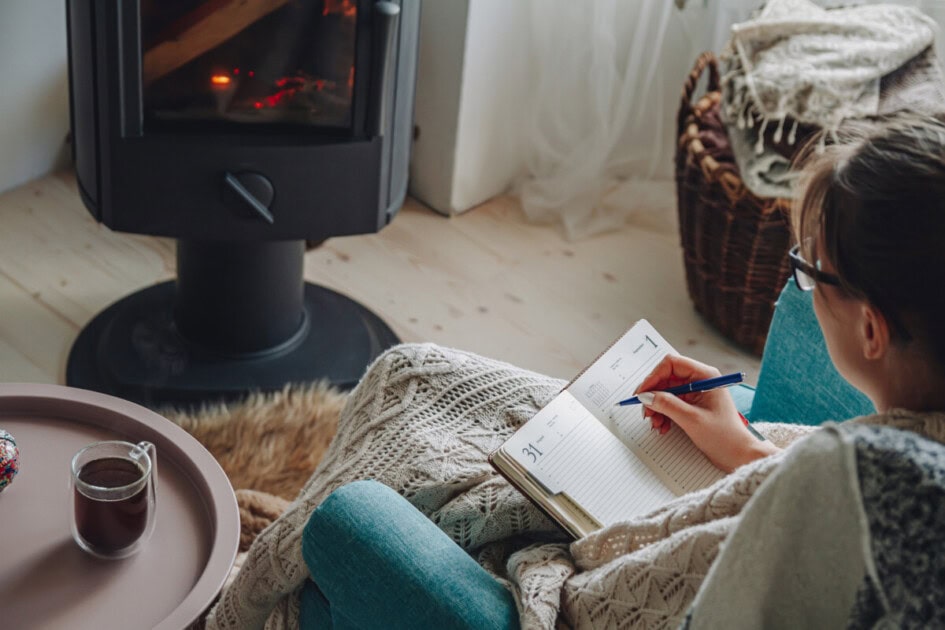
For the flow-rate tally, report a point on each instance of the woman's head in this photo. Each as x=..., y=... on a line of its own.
x=871, y=209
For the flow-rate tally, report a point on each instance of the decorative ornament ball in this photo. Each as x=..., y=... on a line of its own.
x=9, y=459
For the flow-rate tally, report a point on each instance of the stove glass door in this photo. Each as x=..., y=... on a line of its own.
x=246, y=62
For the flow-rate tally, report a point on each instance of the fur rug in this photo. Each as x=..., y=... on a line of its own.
x=268, y=445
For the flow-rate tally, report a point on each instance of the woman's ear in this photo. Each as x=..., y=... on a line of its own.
x=874, y=332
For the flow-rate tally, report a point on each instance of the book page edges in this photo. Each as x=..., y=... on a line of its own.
x=560, y=508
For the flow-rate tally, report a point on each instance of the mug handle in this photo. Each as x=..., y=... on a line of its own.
x=147, y=447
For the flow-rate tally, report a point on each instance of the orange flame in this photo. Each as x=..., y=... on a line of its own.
x=220, y=79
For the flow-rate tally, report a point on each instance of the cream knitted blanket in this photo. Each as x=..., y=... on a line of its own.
x=423, y=420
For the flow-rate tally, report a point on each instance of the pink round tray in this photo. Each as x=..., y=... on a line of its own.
x=46, y=580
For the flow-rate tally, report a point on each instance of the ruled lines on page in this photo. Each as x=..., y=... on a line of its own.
x=567, y=450
x=614, y=376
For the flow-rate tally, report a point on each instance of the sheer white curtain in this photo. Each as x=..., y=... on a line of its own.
x=607, y=78
x=607, y=74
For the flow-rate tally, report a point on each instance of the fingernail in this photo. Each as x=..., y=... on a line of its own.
x=646, y=398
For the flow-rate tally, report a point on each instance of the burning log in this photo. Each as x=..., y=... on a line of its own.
x=203, y=29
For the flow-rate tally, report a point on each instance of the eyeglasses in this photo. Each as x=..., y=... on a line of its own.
x=806, y=275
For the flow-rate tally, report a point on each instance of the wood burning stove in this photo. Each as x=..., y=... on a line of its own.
x=241, y=128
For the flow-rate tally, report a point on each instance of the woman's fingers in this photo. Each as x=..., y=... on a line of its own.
x=674, y=370
x=660, y=423
x=671, y=409
x=661, y=373
x=665, y=409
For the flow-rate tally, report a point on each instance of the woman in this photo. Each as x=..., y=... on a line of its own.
x=872, y=218
x=870, y=224
x=424, y=418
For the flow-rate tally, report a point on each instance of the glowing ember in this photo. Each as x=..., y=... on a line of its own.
x=346, y=8
x=292, y=88
x=220, y=79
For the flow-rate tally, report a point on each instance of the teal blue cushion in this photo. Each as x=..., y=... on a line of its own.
x=744, y=396
x=378, y=562
x=798, y=382
x=315, y=612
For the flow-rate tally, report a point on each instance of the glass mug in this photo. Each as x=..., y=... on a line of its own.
x=114, y=487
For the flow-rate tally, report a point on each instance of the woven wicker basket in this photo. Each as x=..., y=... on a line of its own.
x=734, y=243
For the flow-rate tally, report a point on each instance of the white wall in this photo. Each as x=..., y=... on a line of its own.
x=34, y=89
x=472, y=98
x=436, y=108
x=494, y=102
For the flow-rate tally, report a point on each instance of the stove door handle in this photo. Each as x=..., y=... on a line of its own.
x=385, y=18
x=251, y=201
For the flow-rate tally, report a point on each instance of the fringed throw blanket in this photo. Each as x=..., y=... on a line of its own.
x=796, y=68
x=423, y=421
x=817, y=66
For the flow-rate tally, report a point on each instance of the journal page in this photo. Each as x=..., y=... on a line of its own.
x=568, y=451
x=613, y=377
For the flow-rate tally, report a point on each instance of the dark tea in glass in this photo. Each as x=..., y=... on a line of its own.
x=113, y=497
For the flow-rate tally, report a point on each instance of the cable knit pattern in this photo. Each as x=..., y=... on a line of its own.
x=538, y=573
x=423, y=420
x=649, y=588
x=723, y=499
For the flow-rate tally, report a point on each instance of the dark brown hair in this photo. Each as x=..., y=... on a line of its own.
x=872, y=202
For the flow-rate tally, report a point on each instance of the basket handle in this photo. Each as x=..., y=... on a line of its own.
x=705, y=60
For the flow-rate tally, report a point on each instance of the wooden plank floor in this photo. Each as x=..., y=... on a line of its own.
x=486, y=281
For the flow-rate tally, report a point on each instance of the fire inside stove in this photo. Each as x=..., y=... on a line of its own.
x=248, y=61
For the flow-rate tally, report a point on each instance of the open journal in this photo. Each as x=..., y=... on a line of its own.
x=589, y=463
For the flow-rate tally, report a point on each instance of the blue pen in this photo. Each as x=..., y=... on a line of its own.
x=695, y=386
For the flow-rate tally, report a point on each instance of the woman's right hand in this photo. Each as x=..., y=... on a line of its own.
x=710, y=418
